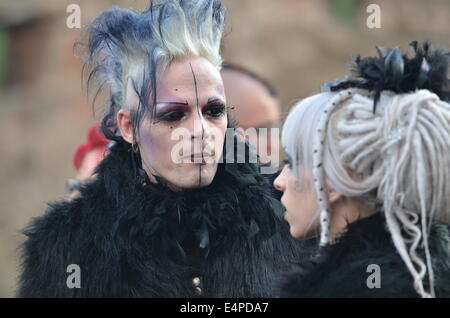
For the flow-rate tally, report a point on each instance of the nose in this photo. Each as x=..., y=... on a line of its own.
x=201, y=135
x=200, y=127
x=280, y=183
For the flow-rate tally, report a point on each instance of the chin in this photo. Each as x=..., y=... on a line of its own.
x=194, y=185
x=294, y=233
x=194, y=179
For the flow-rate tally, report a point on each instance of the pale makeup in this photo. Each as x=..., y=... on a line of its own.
x=191, y=98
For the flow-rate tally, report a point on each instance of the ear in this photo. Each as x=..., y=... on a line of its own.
x=333, y=196
x=125, y=126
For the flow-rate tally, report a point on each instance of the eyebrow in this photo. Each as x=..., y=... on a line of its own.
x=172, y=103
x=211, y=100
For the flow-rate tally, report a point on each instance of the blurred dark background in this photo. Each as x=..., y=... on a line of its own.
x=44, y=114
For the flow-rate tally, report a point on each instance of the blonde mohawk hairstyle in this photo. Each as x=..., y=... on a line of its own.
x=125, y=44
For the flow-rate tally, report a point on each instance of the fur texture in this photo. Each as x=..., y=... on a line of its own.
x=132, y=238
x=340, y=270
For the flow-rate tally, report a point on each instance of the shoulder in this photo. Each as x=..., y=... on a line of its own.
x=363, y=263
x=68, y=217
x=69, y=232
x=57, y=220
x=46, y=249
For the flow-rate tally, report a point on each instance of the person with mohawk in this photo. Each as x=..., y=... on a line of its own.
x=148, y=225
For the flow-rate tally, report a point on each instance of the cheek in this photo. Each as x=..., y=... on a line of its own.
x=155, y=142
x=217, y=130
x=293, y=195
x=220, y=124
x=301, y=206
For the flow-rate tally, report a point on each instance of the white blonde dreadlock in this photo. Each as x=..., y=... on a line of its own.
x=403, y=150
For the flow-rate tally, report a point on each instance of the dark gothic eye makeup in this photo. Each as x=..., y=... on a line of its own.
x=288, y=162
x=214, y=110
x=175, y=111
x=172, y=115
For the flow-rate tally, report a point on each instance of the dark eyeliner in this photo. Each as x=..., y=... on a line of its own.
x=288, y=162
x=215, y=110
x=172, y=115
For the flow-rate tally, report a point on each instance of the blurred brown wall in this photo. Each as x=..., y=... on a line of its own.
x=44, y=115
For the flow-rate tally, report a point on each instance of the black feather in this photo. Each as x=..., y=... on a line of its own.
x=393, y=71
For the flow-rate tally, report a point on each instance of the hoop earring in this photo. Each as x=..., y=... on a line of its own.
x=134, y=147
x=139, y=173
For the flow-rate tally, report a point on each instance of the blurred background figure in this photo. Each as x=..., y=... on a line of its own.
x=253, y=104
x=86, y=158
x=88, y=155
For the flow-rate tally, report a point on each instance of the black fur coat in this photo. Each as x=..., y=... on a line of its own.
x=341, y=269
x=132, y=238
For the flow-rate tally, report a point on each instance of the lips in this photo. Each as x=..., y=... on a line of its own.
x=201, y=158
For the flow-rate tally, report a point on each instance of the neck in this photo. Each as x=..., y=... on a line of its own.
x=343, y=213
x=153, y=177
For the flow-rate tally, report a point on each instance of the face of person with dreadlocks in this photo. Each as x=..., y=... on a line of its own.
x=181, y=142
x=299, y=200
x=296, y=180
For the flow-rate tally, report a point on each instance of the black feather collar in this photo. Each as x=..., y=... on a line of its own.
x=239, y=202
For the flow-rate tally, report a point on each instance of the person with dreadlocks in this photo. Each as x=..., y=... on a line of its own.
x=369, y=165
x=148, y=224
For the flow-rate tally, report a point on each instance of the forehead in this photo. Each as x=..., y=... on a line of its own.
x=190, y=72
x=182, y=80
